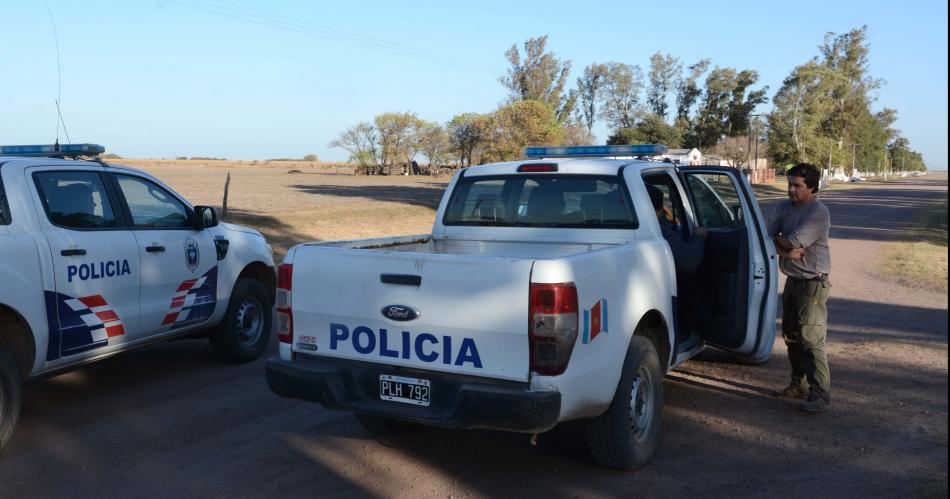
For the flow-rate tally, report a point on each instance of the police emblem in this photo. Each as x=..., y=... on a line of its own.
x=191, y=254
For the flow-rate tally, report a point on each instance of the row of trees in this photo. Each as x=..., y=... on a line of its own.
x=822, y=113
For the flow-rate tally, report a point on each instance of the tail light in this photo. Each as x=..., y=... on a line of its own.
x=285, y=318
x=553, y=326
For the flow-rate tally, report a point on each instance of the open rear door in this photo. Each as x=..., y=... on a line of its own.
x=740, y=268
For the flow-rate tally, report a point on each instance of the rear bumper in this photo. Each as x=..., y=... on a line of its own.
x=456, y=402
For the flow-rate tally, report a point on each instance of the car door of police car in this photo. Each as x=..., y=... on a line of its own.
x=179, y=263
x=95, y=306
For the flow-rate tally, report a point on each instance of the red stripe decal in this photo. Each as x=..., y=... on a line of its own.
x=178, y=302
x=107, y=316
x=185, y=286
x=93, y=301
x=170, y=318
x=117, y=330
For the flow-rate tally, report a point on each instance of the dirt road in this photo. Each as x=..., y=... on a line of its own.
x=168, y=421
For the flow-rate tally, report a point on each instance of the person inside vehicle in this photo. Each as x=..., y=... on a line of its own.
x=687, y=253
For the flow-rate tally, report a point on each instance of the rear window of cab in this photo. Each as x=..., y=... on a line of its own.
x=542, y=200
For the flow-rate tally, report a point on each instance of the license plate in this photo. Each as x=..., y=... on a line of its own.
x=406, y=390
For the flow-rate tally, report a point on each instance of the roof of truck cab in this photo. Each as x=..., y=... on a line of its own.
x=578, y=166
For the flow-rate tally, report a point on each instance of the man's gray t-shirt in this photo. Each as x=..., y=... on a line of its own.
x=805, y=227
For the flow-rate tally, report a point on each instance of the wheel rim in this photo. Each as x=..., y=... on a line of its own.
x=249, y=321
x=642, y=410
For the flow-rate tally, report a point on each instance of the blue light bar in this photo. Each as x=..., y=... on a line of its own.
x=595, y=151
x=53, y=150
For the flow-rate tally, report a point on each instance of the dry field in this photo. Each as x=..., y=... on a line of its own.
x=316, y=204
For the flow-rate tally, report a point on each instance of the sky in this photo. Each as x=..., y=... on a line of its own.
x=240, y=79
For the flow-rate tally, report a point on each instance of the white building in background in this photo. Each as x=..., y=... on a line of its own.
x=712, y=160
x=684, y=157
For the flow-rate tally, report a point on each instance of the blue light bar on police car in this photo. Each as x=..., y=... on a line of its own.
x=595, y=151
x=53, y=150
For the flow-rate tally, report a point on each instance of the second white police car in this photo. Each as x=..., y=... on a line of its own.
x=97, y=259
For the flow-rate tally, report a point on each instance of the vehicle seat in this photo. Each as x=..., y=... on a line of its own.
x=490, y=209
x=608, y=206
x=68, y=201
x=545, y=203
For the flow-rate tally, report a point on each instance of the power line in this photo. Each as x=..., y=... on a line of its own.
x=285, y=23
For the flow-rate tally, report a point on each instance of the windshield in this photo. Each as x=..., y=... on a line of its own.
x=561, y=201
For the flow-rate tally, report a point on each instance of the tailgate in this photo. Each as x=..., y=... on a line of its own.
x=472, y=310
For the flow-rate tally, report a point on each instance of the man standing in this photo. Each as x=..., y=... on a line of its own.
x=799, y=227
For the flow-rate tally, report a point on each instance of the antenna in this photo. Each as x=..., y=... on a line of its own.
x=59, y=78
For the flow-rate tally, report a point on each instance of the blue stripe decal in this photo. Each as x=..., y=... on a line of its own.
x=604, y=313
x=586, y=326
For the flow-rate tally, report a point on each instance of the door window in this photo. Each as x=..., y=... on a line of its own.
x=4, y=209
x=716, y=201
x=75, y=199
x=152, y=206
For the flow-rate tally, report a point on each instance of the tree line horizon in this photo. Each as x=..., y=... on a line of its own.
x=822, y=114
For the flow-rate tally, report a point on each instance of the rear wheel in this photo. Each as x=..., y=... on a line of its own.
x=243, y=334
x=626, y=435
x=384, y=426
x=10, y=393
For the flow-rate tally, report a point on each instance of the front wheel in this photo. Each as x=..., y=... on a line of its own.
x=243, y=334
x=10, y=393
x=626, y=435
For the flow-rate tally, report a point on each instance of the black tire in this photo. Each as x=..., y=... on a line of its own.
x=246, y=327
x=10, y=397
x=623, y=437
x=384, y=426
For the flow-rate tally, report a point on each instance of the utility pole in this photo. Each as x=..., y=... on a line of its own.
x=756, y=159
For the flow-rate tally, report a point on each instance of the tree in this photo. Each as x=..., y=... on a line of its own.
x=727, y=103
x=311, y=158
x=520, y=124
x=621, y=95
x=623, y=136
x=687, y=90
x=576, y=134
x=434, y=144
x=800, y=108
x=398, y=141
x=540, y=76
x=652, y=129
x=823, y=109
x=663, y=74
x=846, y=58
x=734, y=150
x=466, y=132
x=588, y=91
x=360, y=141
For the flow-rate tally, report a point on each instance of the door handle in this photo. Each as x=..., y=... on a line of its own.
x=154, y=249
x=73, y=252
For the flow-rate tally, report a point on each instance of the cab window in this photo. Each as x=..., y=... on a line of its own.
x=152, y=206
x=557, y=201
x=75, y=199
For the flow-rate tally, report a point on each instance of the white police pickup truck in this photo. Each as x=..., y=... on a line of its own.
x=545, y=293
x=97, y=259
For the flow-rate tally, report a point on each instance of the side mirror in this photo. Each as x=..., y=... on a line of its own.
x=205, y=217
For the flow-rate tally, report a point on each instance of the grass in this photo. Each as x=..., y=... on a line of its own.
x=921, y=263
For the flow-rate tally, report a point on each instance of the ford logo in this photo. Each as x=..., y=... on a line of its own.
x=400, y=313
